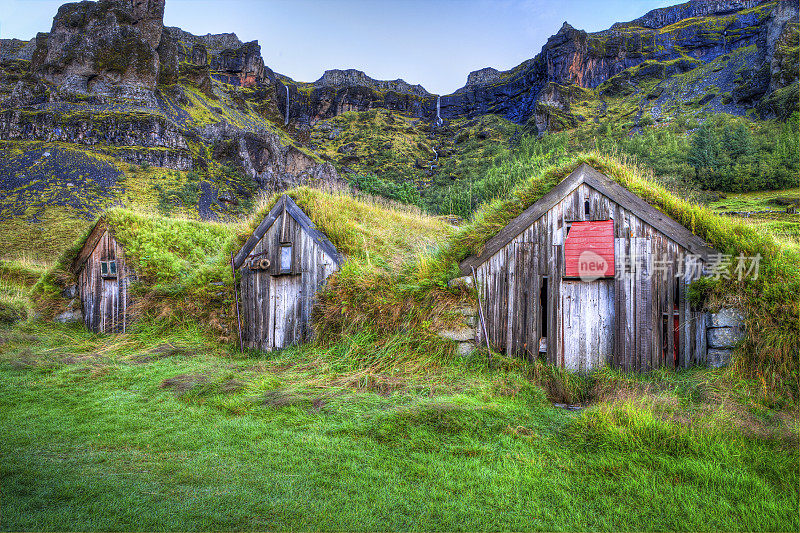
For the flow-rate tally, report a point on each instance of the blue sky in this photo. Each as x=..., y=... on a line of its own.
x=435, y=42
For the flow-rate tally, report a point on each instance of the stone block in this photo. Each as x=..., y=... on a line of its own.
x=462, y=282
x=464, y=334
x=69, y=317
x=718, y=358
x=724, y=337
x=727, y=317
x=465, y=348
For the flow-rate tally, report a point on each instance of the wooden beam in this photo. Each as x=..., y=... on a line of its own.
x=89, y=245
x=286, y=204
x=609, y=188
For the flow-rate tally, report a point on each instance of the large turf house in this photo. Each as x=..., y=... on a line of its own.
x=590, y=275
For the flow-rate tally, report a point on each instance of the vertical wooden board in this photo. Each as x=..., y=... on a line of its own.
x=509, y=326
x=555, y=306
x=608, y=333
x=569, y=335
x=701, y=346
x=630, y=308
x=587, y=319
x=644, y=307
x=670, y=311
x=278, y=320
x=682, y=359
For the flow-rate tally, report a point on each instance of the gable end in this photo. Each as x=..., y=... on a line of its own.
x=287, y=204
x=604, y=185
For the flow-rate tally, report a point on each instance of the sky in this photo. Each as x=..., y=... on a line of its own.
x=435, y=43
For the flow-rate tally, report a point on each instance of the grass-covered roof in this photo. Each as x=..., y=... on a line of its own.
x=366, y=229
x=162, y=250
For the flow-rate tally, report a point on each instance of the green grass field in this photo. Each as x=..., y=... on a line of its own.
x=166, y=431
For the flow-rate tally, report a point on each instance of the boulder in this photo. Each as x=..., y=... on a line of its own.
x=70, y=316
x=463, y=334
x=465, y=348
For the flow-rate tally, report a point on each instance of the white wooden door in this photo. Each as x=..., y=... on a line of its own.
x=588, y=313
x=108, y=305
x=285, y=292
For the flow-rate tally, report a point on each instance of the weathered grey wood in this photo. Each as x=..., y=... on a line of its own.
x=602, y=185
x=286, y=205
x=649, y=214
x=277, y=306
x=630, y=314
x=521, y=222
x=105, y=301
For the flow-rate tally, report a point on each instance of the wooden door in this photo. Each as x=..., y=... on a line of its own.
x=588, y=317
x=285, y=300
x=109, y=298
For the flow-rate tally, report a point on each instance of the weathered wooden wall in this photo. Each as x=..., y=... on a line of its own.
x=105, y=301
x=276, y=308
x=634, y=307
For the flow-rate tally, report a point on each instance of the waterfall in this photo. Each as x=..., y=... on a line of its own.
x=438, y=110
x=286, y=118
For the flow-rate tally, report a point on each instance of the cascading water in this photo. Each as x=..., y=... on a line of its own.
x=438, y=110
x=286, y=118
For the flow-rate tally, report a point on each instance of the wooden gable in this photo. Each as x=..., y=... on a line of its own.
x=287, y=207
x=615, y=192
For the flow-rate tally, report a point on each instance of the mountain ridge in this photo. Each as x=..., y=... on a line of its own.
x=111, y=80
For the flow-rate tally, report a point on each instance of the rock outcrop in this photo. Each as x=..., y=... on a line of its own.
x=107, y=47
x=273, y=165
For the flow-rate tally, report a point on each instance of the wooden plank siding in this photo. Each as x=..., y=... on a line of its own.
x=106, y=301
x=276, y=307
x=631, y=308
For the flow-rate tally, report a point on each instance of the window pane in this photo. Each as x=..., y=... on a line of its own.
x=286, y=258
x=112, y=268
x=103, y=268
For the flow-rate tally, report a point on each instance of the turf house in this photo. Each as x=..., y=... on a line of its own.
x=283, y=264
x=590, y=275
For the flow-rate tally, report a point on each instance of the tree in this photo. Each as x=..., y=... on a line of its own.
x=703, y=148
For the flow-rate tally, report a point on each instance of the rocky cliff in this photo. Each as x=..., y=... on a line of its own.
x=669, y=40
x=111, y=80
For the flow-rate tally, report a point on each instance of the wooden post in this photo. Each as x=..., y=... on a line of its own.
x=236, y=293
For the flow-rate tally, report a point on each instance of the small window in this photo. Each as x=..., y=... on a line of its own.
x=286, y=257
x=108, y=269
x=586, y=207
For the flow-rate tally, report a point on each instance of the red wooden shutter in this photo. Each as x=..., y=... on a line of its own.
x=589, y=250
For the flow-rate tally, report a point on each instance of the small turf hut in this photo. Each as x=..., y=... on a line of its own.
x=283, y=264
x=103, y=276
x=590, y=275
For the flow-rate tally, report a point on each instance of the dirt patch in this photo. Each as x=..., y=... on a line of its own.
x=367, y=381
x=162, y=351
x=284, y=398
x=230, y=386
x=183, y=383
